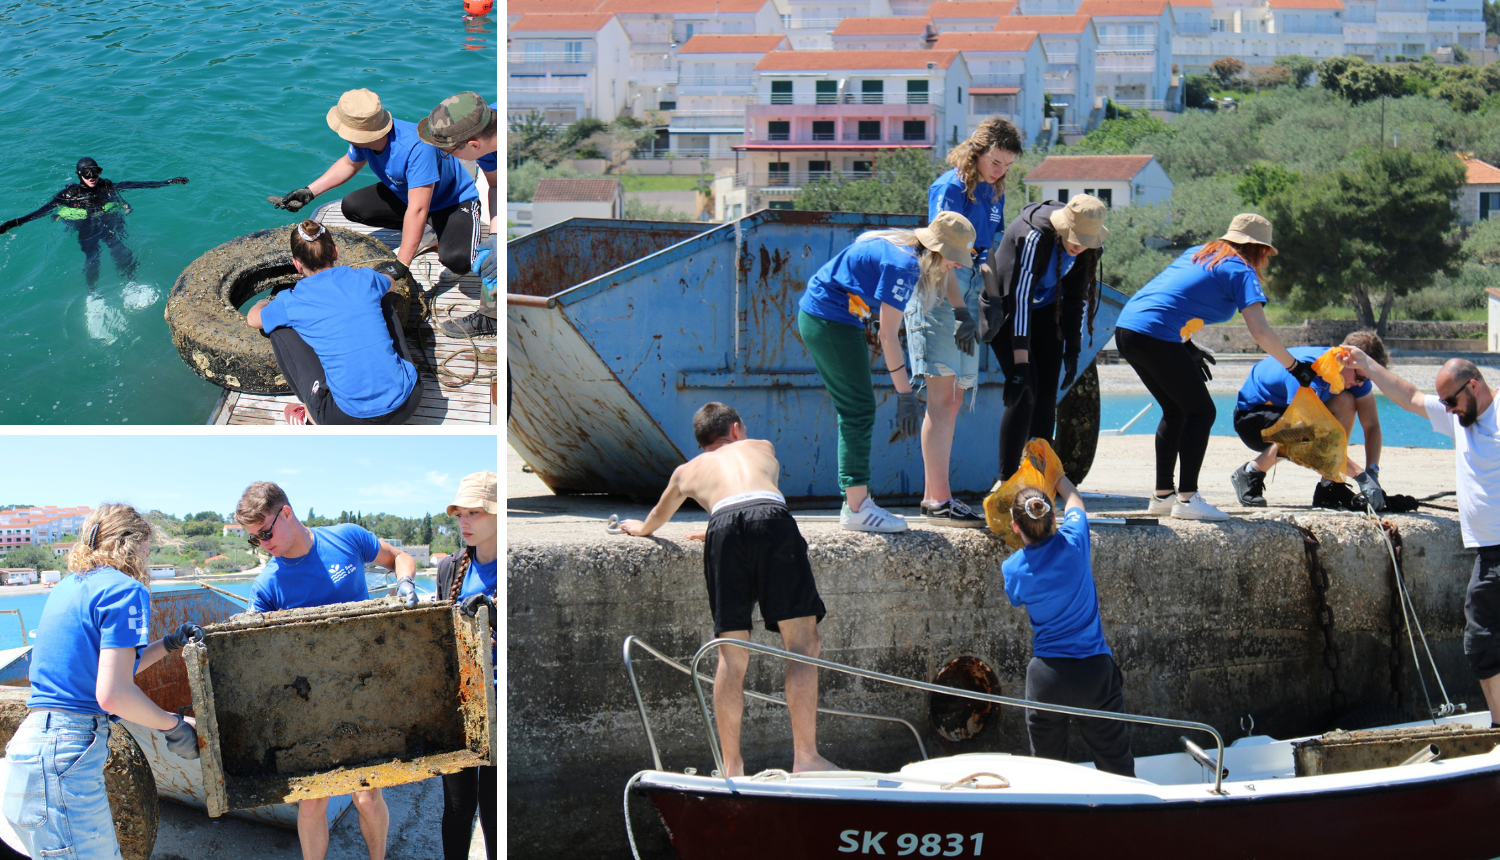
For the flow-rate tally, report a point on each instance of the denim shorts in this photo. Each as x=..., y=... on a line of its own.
x=54, y=792
x=929, y=334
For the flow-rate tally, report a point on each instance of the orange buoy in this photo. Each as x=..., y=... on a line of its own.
x=478, y=7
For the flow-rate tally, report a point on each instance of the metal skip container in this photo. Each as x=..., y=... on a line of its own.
x=610, y=356
x=320, y=702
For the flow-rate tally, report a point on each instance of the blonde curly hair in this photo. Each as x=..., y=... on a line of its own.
x=114, y=536
x=997, y=132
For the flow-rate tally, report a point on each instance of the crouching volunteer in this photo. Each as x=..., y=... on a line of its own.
x=91, y=642
x=1053, y=577
x=1263, y=399
x=941, y=332
x=881, y=270
x=1047, y=264
x=1205, y=285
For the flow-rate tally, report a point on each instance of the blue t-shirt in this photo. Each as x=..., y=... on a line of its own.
x=337, y=312
x=408, y=162
x=986, y=213
x=489, y=163
x=484, y=583
x=1054, y=580
x=333, y=571
x=1269, y=384
x=1186, y=291
x=84, y=614
x=853, y=285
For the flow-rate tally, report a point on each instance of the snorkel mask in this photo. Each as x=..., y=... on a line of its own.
x=88, y=169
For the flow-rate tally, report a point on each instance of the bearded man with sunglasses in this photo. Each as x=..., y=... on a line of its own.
x=319, y=567
x=1463, y=408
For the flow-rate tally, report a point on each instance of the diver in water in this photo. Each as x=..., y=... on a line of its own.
x=94, y=206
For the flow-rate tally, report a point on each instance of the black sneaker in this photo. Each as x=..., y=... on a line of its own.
x=1336, y=497
x=475, y=324
x=1249, y=486
x=952, y=513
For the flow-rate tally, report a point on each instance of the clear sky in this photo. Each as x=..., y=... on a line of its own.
x=407, y=475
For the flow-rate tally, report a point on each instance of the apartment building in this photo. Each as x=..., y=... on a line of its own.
x=567, y=66
x=12, y=536
x=1456, y=23
x=1133, y=62
x=810, y=23
x=715, y=83
x=1005, y=79
x=1070, y=45
x=883, y=34
x=968, y=16
x=1192, y=50
x=1118, y=180
x=39, y=525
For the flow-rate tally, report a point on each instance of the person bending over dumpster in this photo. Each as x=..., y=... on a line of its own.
x=319, y=567
x=94, y=207
x=753, y=553
x=1052, y=575
x=1263, y=399
x=93, y=638
x=883, y=269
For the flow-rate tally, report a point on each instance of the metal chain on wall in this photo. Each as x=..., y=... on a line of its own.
x=1318, y=576
x=1397, y=617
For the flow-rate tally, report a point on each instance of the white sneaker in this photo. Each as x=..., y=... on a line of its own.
x=1198, y=509
x=1160, y=507
x=871, y=518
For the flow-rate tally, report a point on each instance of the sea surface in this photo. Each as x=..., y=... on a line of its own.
x=233, y=96
x=1398, y=428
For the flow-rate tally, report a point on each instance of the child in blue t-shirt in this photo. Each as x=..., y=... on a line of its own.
x=93, y=637
x=337, y=339
x=1053, y=577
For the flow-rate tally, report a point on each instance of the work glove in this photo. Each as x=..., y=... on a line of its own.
x=484, y=263
x=175, y=640
x=1070, y=370
x=908, y=415
x=406, y=590
x=293, y=201
x=1304, y=372
x=1369, y=484
x=177, y=180
x=470, y=605
x=1204, y=358
x=1018, y=384
x=182, y=739
x=966, y=333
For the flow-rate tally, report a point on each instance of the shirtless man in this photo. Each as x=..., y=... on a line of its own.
x=753, y=552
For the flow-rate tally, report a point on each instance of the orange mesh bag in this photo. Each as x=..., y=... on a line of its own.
x=1330, y=366
x=1040, y=468
x=1310, y=436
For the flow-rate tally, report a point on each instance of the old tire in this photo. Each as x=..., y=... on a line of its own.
x=1078, y=425
x=202, y=312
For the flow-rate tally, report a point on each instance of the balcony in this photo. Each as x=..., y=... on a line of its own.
x=1127, y=42
x=813, y=23
x=545, y=87
x=845, y=98
x=716, y=82
x=792, y=180
x=1063, y=58
x=682, y=120
x=1010, y=79
x=570, y=57
x=1144, y=63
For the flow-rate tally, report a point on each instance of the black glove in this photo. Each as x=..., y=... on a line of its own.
x=470, y=605
x=177, y=180
x=1018, y=384
x=1070, y=370
x=908, y=415
x=1203, y=357
x=182, y=739
x=966, y=333
x=407, y=591
x=174, y=641
x=1304, y=372
x=294, y=201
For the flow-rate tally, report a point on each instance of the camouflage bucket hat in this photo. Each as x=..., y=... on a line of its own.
x=455, y=120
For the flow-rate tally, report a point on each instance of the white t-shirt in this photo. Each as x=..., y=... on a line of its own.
x=1476, y=471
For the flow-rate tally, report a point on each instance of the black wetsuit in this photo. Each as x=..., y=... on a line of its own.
x=98, y=213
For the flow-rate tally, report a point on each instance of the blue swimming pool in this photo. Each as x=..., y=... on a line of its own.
x=1400, y=429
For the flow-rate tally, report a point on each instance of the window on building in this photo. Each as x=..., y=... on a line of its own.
x=916, y=92
x=535, y=51
x=1489, y=204
x=573, y=52
x=819, y=169
x=781, y=92
x=869, y=129
x=779, y=204
x=1107, y=197
x=1062, y=195
x=779, y=129
x=822, y=130
x=862, y=169
x=827, y=92
x=779, y=173
x=872, y=93
x=914, y=129
x=666, y=105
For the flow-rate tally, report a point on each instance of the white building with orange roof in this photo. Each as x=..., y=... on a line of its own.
x=883, y=34
x=1311, y=28
x=1133, y=63
x=516, y=8
x=968, y=16
x=1005, y=79
x=1070, y=44
x=1479, y=199
x=567, y=66
x=810, y=23
x=1192, y=49
x=1118, y=180
x=1456, y=23
x=715, y=83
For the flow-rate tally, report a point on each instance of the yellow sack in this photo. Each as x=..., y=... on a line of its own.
x=1330, y=367
x=1040, y=468
x=1310, y=436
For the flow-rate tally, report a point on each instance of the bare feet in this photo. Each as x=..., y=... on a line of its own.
x=733, y=767
x=812, y=762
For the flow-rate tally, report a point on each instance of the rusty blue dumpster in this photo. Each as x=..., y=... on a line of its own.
x=610, y=357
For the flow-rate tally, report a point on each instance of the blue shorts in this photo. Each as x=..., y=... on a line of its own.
x=929, y=334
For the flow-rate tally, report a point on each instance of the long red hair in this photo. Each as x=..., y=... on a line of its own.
x=1219, y=250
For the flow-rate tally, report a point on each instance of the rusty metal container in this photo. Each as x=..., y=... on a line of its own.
x=323, y=701
x=1346, y=752
x=610, y=355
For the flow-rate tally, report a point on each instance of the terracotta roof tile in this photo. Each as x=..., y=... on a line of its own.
x=1119, y=8
x=1009, y=41
x=1481, y=173
x=890, y=26
x=1105, y=167
x=1043, y=23
x=527, y=7
x=695, y=7
x=1305, y=4
x=731, y=44
x=1193, y=3
x=787, y=61
x=576, y=190
x=590, y=22
x=970, y=9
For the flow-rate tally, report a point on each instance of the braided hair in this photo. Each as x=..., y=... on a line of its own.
x=460, y=569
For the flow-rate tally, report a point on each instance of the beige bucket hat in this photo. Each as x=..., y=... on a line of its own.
x=951, y=235
x=359, y=118
x=476, y=491
x=1248, y=228
x=1082, y=221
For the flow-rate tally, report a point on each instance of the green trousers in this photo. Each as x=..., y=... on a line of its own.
x=843, y=360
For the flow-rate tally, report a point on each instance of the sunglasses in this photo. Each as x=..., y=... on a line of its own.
x=1452, y=402
x=254, y=540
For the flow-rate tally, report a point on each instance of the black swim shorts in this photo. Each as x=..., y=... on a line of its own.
x=1482, y=614
x=1249, y=422
x=754, y=553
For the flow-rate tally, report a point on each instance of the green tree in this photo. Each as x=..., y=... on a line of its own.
x=1121, y=136
x=1357, y=81
x=898, y=183
x=426, y=534
x=1299, y=67
x=637, y=210
x=1196, y=91
x=1379, y=227
x=531, y=138
x=29, y=555
x=1226, y=69
x=199, y=528
x=1263, y=181
x=1464, y=96
x=1492, y=17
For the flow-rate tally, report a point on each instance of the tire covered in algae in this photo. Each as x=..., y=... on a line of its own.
x=1078, y=425
x=203, y=309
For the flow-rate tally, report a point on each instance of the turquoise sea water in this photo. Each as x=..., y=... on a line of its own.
x=1398, y=427
x=233, y=96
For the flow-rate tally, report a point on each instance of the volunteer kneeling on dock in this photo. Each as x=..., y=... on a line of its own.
x=941, y=331
x=1207, y=284
x=319, y=567
x=93, y=206
x=90, y=643
x=337, y=339
x=417, y=182
x=464, y=127
x=1264, y=398
x=882, y=269
x=1052, y=575
x=753, y=553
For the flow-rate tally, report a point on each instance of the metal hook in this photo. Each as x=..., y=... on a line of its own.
x=1250, y=729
